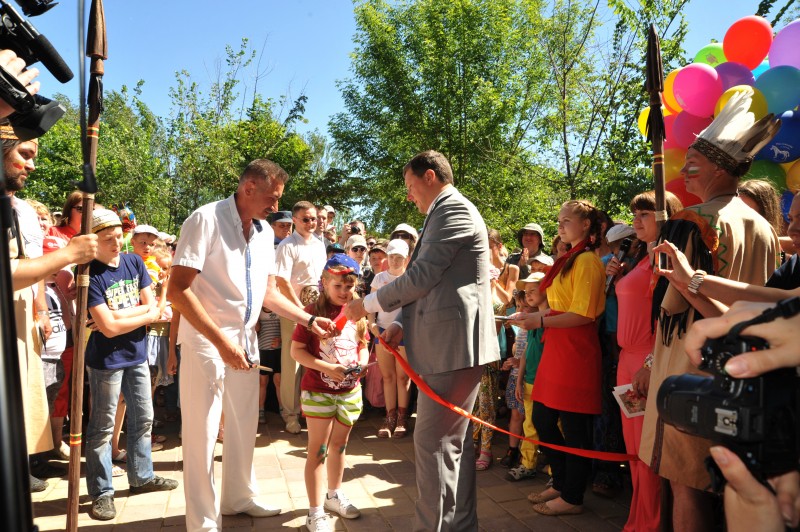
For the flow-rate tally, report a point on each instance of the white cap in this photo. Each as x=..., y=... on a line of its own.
x=397, y=247
x=406, y=229
x=329, y=208
x=149, y=229
x=618, y=232
x=535, y=277
x=355, y=240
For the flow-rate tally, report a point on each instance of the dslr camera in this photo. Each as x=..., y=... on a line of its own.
x=756, y=417
x=355, y=229
x=34, y=115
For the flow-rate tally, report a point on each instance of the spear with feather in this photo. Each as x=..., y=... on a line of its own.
x=97, y=51
x=654, y=85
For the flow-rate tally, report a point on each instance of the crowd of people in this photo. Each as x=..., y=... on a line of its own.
x=249, y=296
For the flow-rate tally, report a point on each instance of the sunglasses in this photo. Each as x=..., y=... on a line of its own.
x=403, y=236
x=358, y=249
x=370, y=244
x=308, y=220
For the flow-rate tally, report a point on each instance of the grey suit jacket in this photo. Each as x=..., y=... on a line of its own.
x=447, y=316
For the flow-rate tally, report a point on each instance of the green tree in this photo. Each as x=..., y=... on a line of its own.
x=460, y=77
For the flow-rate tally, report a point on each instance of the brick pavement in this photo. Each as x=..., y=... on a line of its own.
x=379, y=479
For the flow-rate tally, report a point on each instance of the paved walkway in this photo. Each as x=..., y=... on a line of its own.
x=379, y=479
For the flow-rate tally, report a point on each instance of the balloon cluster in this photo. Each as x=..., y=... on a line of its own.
x=693, y=95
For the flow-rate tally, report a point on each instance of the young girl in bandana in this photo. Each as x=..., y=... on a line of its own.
x=330, y=391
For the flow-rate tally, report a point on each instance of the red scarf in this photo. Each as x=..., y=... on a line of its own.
x=559, y=264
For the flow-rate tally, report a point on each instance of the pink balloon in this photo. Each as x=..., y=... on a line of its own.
x=669, y=121
x=686, y=128
x=697, y=88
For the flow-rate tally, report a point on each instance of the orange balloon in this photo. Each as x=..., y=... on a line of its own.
x=673, y=162
x=668, y=95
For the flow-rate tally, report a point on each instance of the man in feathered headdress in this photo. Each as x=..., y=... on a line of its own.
x=722, y=236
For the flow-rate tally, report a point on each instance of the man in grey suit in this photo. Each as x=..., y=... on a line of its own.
x=447, y=325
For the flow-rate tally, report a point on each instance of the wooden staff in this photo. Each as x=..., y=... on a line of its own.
x=654, y=85
x=97, y=51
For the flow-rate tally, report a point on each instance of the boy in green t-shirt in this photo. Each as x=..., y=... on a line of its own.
x=525, y=377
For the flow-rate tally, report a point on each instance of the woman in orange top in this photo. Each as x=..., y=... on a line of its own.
x=567, y=385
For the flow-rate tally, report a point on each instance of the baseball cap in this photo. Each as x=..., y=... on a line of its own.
x=380, y=245
x=544, y=258
x=341, y=264
x=334, y=248
x=397, y=247
x=535, y=277
x=405, y=228
x=144, y=228
x=355, y=240
x=280, y=216
x=104, y=218
x=619, y=231
x=330, y=208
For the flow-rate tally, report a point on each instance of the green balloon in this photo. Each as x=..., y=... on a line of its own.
x=769, y=171
x=711, y=54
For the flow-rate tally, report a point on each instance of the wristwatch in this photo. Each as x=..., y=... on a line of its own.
x=697, y=279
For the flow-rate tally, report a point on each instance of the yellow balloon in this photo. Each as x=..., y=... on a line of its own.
x=668, y=95
x=788, y=165
x=758, y=105
x=793, y=178
x=673, y=162
x=642, y=121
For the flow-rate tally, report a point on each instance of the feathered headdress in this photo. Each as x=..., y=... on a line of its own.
x=734, y=137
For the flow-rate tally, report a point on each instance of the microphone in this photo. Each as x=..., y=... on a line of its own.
x=21, y=36
x=623, y=249
x=50, y=58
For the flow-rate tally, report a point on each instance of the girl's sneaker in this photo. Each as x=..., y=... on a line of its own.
x=520, y=473
x=318, y=523
x=341, y=505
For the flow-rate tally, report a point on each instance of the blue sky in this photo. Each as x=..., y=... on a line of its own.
x=307, y=49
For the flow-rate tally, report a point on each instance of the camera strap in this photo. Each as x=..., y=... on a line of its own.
x=784, y=309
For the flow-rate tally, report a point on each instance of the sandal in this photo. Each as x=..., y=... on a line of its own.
x=121, y=456
x=484, y=461
x=158, y=438
x=117, y=471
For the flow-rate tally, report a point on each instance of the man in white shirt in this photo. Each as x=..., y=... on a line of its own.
x=299, y=259
x=223, y=273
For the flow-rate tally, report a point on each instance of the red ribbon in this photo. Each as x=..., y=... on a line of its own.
x=424, y=388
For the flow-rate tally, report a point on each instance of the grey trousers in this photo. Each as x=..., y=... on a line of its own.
x=445, y=456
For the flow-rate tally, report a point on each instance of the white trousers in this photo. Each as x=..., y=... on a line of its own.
x=291, y=372
x=209, y=388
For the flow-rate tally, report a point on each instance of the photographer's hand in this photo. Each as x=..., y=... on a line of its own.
x=780, y=333
x=16, y=67
x=681, y=273
x=749, y=505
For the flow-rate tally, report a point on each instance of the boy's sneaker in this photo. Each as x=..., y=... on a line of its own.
x=156, y=484
x=520, y=473
x=341, y=505
x=318, y=523
x=103, y=508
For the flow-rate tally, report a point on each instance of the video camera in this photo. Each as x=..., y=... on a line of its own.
x=756, y=418
x=34, y=115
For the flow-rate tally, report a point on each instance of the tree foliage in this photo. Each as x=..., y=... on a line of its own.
x=530, y=100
